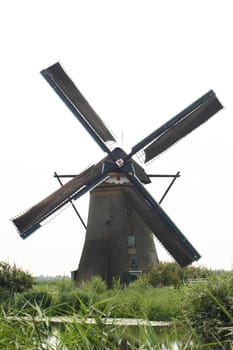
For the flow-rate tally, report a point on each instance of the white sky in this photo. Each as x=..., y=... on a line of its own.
x=138, y=63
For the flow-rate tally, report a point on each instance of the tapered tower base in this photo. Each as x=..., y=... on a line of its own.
x=117, y=243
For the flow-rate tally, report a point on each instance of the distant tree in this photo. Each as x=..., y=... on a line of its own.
x=14, y=279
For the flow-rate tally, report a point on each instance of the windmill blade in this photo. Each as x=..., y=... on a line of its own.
x=71, y=96
x=29, y=221
x=159, y=223
x=179, y=126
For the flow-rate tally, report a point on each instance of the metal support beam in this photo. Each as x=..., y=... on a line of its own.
x=74, y=207
x=67, y=176
x=164, y=175
x=172, y=182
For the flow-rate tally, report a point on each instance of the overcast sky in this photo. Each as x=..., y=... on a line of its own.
x=138, y=63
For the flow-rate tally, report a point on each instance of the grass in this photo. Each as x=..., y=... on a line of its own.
x=201, y=316
x=20, y=330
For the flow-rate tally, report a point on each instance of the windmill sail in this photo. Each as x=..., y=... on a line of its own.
x=160, y=223
x=30, y=220
x=179, y=126
x=65, y=88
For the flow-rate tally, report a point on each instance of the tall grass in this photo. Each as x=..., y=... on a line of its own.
x=20, y=330
x=20, y=327
x=201, y=316
x=208, y=308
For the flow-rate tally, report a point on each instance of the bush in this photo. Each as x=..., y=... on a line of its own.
x=5, y=296
x=167, y=274
x=208, y=306
x=14, y=279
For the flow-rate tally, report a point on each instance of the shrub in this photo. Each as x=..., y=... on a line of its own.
x=208, y=306
x=14, y=279
x=171, y=274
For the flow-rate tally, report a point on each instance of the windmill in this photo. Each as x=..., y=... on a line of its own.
x=123, y=216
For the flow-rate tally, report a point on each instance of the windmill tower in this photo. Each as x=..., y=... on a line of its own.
x=118, y=242
x=122, y=213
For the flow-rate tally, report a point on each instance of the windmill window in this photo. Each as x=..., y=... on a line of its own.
x=133, y=260
x=131, y=241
